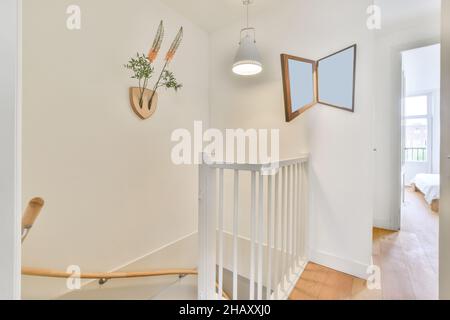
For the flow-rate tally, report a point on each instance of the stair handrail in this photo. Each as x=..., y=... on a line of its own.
x=30, y=215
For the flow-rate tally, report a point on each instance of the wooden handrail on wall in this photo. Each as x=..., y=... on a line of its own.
x=29, y=217
x=107, y=275
x=104, y=277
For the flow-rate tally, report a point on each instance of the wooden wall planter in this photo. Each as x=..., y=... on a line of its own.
x=144, y=101
x=143, y=112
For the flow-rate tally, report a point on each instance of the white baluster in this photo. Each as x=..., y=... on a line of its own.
x=295, y=218
x=253, y=237
x=207, y=233
x=283, y=228
x=270, y=232
x=260, y=236
x=277, y=218
x=289, y=223
x=299, y=214
x=235, y=234
x=221, y=223
x=303, y=211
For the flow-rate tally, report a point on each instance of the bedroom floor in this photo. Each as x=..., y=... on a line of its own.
x=408, y=260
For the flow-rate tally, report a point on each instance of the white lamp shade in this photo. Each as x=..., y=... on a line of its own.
x=248, y=60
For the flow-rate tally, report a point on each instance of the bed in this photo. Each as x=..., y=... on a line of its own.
x=429, y=185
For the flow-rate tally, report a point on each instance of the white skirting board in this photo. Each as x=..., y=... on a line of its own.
x=347, y=266
x=386, y=224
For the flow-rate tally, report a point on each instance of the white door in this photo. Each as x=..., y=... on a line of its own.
x=444, y=236
x=9, y=146
x=403, y=168
x=398, y=221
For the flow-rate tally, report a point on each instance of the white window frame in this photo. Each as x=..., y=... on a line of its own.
x=430, y=128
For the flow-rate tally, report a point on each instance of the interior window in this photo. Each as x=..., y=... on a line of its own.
x=416, y=106
x=416, y=129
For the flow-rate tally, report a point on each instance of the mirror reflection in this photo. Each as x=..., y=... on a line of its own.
x=302, y=84
x=298, y=74
x=336, y=79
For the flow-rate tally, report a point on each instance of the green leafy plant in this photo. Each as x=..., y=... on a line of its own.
x=143, y=70
x=168, y=81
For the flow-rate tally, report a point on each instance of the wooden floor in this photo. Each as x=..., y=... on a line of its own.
x=408, y=261
x=321, y=283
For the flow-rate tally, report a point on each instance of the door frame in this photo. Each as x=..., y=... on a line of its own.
x=395, y=220
x=444, y=205
x=10, y=146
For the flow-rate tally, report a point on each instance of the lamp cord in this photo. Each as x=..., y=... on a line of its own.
x=247, y=28
x=247, y=15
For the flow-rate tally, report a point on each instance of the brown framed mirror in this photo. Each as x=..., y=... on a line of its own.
x=299, y=84
x=336, y=79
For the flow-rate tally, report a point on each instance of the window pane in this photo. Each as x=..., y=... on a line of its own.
x=416, y=139
x=416, y=106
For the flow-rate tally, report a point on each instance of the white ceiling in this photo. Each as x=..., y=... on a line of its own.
x=214, y=14
x=398, y=11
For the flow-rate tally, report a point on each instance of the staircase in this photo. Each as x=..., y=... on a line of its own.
x=252, y=240
x=252, y=229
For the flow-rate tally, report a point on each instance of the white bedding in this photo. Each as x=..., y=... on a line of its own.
x=428, y=184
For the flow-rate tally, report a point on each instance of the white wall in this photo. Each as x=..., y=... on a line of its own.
x=9, y=158
x=444, y=215
x=112, y=193
x=422, y=69
x=412, y=32
x=339, y=141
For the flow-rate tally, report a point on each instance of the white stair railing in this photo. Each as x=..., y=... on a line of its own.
x=274, y=254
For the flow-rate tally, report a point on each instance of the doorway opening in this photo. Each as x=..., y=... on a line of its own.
x=420, y=149
x=421, y=125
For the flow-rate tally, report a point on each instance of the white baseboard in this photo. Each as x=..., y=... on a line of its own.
x=384, y=224
x=347, y=266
